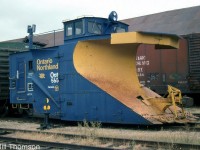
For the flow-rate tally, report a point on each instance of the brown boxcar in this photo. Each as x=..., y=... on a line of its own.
x=177, y=67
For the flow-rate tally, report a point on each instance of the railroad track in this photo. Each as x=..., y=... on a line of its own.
x=116, y=142
x=17, y=143
x=166, y=127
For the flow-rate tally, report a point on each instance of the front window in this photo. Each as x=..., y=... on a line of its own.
x=94, y=27
x=69, y=29
x=119, y=29
x=79, y=28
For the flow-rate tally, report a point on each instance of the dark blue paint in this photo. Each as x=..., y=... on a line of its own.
x=77, y=98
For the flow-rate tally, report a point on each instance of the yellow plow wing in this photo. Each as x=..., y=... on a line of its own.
x=111, y=65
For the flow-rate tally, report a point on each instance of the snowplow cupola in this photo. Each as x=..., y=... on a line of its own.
x=87, y=27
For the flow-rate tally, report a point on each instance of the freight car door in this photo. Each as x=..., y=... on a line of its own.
x=21, y=73
x=21, y=79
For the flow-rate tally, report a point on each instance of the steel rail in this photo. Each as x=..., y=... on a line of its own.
x=167, y=145
x=116, y=141
x=49, y=145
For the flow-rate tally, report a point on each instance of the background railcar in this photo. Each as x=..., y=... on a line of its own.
x=180, y=68
x=7, y=48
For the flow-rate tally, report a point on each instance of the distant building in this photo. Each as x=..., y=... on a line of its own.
x=182, y=22
x=156, y=69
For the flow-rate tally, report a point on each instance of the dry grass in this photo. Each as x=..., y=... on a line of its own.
x=169, y=136
x=57, y=138
x=40, y=136
x=187, y=136
x=93, y=130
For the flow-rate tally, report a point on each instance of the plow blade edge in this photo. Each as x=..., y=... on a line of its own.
x=110, y=64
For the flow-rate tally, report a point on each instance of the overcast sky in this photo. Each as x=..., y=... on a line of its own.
x=48, y=15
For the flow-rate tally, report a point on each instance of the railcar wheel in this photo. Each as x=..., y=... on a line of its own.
x=4, y=111
x=187, y=101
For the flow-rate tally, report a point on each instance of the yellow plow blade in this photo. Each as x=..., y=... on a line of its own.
x=111, y=65
x=162, y=40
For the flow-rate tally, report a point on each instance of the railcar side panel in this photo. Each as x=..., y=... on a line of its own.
x=158, y=68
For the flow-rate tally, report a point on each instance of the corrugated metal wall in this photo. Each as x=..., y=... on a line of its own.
x=194, y=61
x=4, y=74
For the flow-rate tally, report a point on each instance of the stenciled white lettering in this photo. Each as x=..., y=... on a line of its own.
x=46, y=64
x=140, y=63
